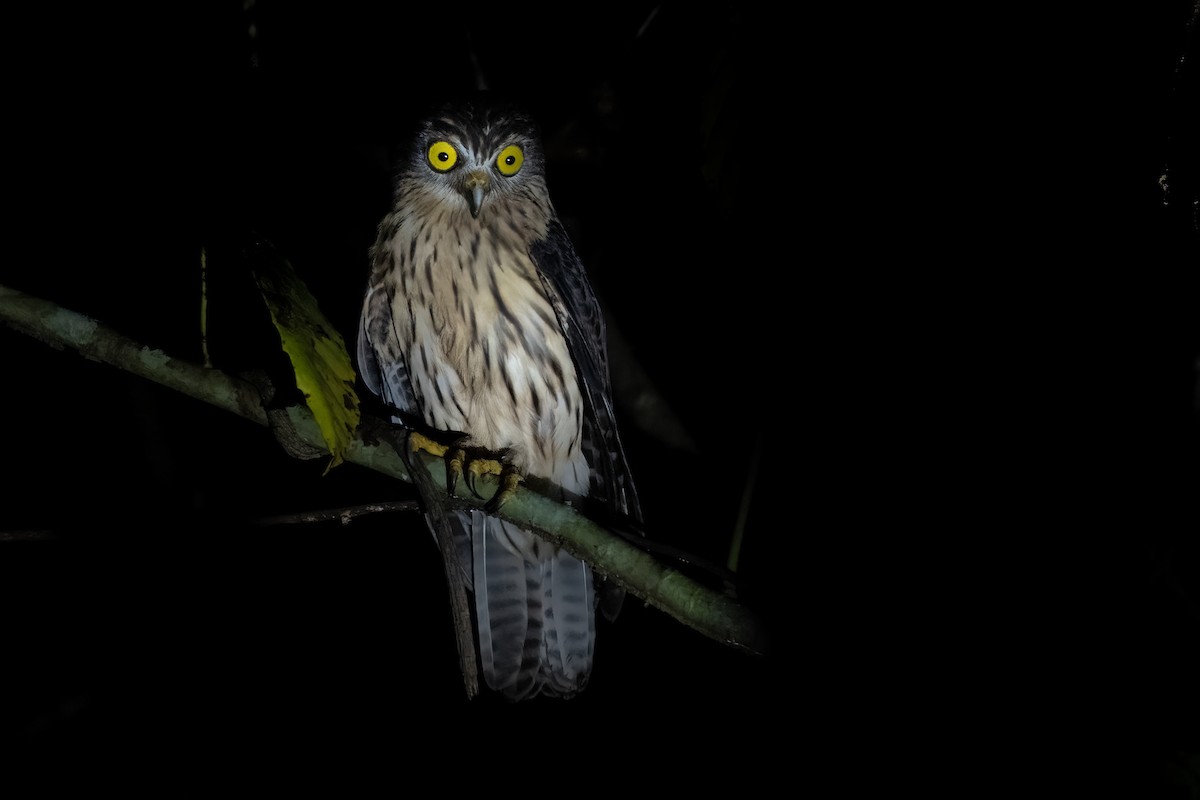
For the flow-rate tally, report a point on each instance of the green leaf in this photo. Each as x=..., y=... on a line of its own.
x=324, y=372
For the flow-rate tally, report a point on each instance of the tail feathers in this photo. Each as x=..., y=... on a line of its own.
x=534, y=607
x=570, y=623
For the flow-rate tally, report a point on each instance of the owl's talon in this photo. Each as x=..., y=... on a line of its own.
x=510, y=479
x=454, y=469
x=474, y=469
x=465, y=461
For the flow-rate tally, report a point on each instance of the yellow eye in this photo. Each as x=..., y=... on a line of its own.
x=510, y=160
x=442, y=156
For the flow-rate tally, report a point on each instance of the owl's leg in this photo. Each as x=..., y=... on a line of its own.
x=464, y=461
x=471, y=463
x=510, y=479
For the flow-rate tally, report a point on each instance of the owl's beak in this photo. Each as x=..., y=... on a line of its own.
x=474, y=189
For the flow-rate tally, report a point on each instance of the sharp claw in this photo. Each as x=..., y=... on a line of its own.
x=454, y=469
x=472, y=475
x=509, y=480
x=460, y=462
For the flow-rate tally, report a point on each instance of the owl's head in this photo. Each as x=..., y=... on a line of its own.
x=478, y=152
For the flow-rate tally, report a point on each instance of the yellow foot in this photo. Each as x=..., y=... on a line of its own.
x=510, y=479
x=472, y=463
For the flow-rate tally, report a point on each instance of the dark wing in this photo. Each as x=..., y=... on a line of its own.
x=380, y=360
x=582, y=323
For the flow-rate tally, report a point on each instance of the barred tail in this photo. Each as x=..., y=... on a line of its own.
x=534, y=608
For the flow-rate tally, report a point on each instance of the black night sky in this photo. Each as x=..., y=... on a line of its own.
x=948, y=327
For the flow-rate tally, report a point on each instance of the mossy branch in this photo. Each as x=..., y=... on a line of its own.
x=700, y=608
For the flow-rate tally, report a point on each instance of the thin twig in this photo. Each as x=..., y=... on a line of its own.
x=204, y=307
x=439, y=523
x=343, y=515
x=27, y=536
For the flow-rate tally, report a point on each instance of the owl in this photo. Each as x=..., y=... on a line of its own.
x=479, y=321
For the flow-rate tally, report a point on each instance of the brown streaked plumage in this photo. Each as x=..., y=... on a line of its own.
x=479, y=318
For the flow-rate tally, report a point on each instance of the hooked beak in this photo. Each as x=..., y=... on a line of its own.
x=474, y=189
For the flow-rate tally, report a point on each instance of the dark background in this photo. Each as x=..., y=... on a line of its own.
x=159, y=617
x=941, y=248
